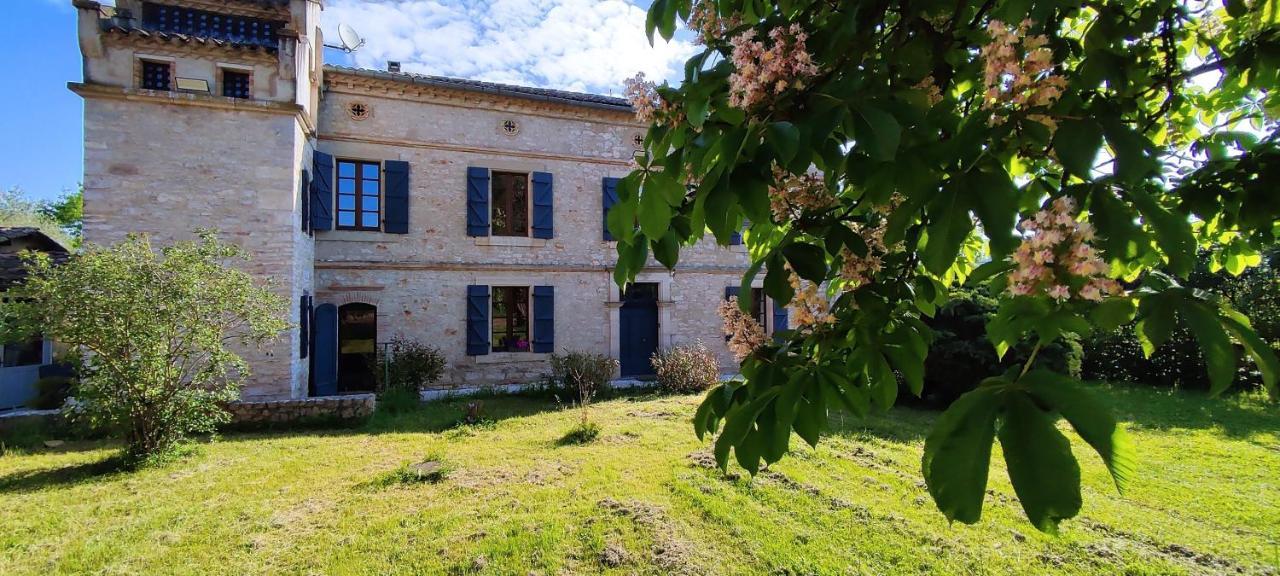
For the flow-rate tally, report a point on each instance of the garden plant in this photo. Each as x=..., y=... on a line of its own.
x=1073, y=156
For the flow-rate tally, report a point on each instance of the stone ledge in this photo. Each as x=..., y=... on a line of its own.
x=349, y=407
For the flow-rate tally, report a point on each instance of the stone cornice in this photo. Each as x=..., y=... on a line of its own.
x=345, y=83
x=338, y=137
x=101, y=92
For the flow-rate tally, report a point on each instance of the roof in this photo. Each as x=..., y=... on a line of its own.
x=47, y=243
x=12, y=268
x=526, y=92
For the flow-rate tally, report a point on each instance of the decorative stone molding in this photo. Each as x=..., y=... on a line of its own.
x=359, y=110
x=177, y=46
x=509, y=127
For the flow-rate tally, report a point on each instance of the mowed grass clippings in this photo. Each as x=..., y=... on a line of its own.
x=644, y=497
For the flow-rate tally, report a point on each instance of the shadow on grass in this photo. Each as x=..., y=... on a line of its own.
x=1237, y=413
x=37, y=480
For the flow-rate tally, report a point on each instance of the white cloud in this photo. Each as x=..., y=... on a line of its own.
x=583, y=45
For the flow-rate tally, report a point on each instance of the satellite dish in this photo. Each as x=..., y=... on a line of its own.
x=351, y=40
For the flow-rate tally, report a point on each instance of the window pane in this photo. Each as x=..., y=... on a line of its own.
x=371, y=171
x=346, y=202
x=369, y=219
x=346, y=218
x=346, y=169
x=510, y=199
x=370, y=188
x=346, y=186
x=369, y=203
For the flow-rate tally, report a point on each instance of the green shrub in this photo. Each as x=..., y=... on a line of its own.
x=51, y=392
x=961, y=355
x=686, y=369
x=407, y=366
x=581, y=375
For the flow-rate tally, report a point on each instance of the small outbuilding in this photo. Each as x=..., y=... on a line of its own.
x=24, y=363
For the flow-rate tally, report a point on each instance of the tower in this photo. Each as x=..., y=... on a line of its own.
x=202, y=114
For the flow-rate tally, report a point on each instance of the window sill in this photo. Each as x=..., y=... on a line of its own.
x=513, y=241
x=508, y=357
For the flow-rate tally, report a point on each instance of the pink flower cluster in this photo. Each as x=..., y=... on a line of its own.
x=707, y=23
x=859, y=270
x=793, y=194
x=809, y=307
x=760, y=72
x=1018, y=73
x=648, y=105
x=930, y=90
x=745, y=334
x=1057, y=260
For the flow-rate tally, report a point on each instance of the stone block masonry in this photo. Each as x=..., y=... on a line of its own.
x=320, y=409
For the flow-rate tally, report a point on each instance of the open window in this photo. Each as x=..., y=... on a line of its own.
x=510, y=319
x=510, y=204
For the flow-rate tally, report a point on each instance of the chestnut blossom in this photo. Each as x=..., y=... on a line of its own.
x=791, y=195
x=649, y=106
x=1018, y=74
x=761, y=72
x=1056, y=259
x=745, y=334
x=931, y=91
x=708, y=26
x=809, y=307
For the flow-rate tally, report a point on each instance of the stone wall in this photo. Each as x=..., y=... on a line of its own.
x=167, y=170
x=303, y=410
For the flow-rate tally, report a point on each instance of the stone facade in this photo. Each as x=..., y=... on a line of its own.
x=167, y=163
x=349, y=407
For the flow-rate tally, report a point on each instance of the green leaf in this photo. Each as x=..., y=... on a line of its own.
x=986, y=270
x=1045, y=476
x=879, y=131
x=666, y=250
x=1219, y=355
x=1091, y=419
x=1077, y=143
x=995, y=199
x=702, y=417
x=811, y=414
x=655, y=213
x=777, y=283
x=1263, y=355
x=809, y=261
x=957, y=454
x=622, y=221
x=1173, y=231
x=1113, y=313
x=784, y=137
x=949, y=227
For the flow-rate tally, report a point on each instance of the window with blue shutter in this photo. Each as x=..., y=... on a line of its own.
x=321, y=191
x=610, y=191
x=304, y=326
x=544, y=319
x=477, y=320
x=395, y=219
x=304, y=200
x=324, y=363
x=736, y=238
x=780, y=322
x=477, y=201
x=542, y=206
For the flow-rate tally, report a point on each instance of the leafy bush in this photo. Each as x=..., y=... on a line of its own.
x=581, y=375
x=961, y=355
x=407, y=365
x=51, y=392
x=158, y=323
x=686, y=369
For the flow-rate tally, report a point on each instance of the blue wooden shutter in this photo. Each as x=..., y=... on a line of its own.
x=477, y=201
x=324, y=364
x=542, y=209
x=304, y=326
x=779, y=319
x=321, y=191
x=304, y=200
x=736, y=238
x=395, y=219
x=544, y=319
x=610, y=189
x=477, y=320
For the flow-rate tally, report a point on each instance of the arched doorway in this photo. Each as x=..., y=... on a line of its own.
x=357, y=347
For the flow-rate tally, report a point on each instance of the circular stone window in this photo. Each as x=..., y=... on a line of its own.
x=359, y=111
x=509, y=127
x=637, y=141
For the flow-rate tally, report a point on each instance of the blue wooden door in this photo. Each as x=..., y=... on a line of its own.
x=324, y=358
x=638, y=329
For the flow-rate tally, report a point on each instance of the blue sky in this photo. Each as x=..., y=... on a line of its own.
x=586, y=45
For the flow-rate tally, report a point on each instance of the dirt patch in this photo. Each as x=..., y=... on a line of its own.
x=786, y=482
x=614, y=555
x=474, y=478
x=703, y=459
x=1205, y=562
x=658, y=415
x=548, y=473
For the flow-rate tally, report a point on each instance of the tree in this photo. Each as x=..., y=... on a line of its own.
x=1058, y=151
x=155, y=329
x=16, y=210
x=68, y=212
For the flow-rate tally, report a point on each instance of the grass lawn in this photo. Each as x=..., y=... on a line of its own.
x=641, y=499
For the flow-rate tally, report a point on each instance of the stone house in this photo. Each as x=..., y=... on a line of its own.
x=22, y=364
x=467, y=215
